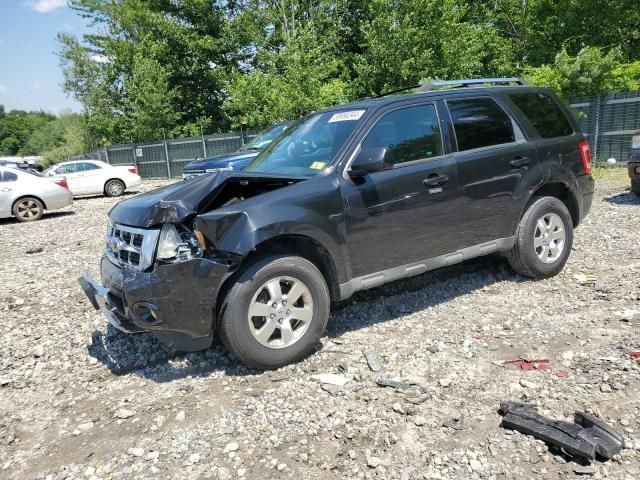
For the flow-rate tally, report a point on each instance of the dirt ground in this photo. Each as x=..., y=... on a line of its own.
x=81, y=400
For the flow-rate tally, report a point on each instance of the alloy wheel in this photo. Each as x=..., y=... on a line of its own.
x=549, y=237
x=27, y=209
x=280, y=312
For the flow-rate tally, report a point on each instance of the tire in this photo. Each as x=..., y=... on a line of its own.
x=535, y=255
x=114, y=188
x=257, y=287
x=635, y=188
x=28, y=209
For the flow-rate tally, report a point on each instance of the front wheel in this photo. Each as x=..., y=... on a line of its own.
x=543, y=240
x=275, y=312
x=635, y=187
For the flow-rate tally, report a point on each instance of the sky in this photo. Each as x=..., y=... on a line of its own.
x=30, y=73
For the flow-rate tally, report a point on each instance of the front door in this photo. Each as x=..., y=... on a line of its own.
x=406, y=212
x=7, y=186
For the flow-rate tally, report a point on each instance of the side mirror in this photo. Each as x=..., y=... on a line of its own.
x=369, y=160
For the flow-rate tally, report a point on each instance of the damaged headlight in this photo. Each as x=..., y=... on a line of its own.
x=177, y=244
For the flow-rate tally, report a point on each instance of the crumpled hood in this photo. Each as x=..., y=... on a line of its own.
x=176, y=202
x=223, y=161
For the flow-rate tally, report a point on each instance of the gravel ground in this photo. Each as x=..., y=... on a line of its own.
x=81, y=400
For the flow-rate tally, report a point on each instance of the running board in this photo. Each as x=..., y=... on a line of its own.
x=409, y=270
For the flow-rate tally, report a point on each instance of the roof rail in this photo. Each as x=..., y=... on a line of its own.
x=469, y=82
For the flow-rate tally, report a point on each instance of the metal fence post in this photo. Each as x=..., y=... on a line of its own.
x=596, y=135
x=166, y=156
x=106, y=154
x=204, y=144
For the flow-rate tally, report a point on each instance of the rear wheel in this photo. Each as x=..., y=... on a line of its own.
x=543, y=240
x=275, y=312
x=28, y=209
x=114, y=188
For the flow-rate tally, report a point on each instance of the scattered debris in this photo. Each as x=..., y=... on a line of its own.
x=386, y=382
x=331, y=378
x=456, y=423
x=634, y=354
x=33, y=250
x=585, y=278
x=539, y=364
x=374, y=361
x=584, y=438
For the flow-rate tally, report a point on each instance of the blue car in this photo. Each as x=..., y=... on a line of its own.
x=235, y=160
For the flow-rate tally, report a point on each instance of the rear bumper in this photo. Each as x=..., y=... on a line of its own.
x=134, y=181
x=176, y=303
x=61, y=199
x=587, y=188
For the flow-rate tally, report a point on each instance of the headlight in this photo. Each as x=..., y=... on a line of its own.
x=177, y=244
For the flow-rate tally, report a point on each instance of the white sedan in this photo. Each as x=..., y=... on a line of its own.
x=87, y=177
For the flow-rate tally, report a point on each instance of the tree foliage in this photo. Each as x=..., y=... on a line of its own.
x=171, y=67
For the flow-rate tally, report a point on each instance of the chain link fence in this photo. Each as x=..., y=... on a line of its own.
x=167, y=158
x=609, y=123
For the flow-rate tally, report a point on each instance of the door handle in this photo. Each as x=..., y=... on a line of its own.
x=5, y=189
x=435, y=180
x=519, y=162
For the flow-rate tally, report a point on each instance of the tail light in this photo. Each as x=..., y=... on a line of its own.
x=62, y=183
x=585, y=155
x=635, y=141
x=133, y=170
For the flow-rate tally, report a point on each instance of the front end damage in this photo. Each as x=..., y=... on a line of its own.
x=163, y=266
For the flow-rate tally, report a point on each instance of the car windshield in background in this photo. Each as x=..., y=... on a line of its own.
x=308, y=146
x=265, y=137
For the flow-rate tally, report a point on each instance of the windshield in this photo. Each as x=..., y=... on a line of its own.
x=309, y=145
x=265, y=137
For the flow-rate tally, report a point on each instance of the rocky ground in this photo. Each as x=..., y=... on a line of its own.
x=80, y=400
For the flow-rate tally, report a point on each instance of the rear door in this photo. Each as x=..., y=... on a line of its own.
x=92, y=176
x=495, y=166
x=406, y=212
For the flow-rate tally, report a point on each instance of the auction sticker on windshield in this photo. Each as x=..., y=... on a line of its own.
x=318, y=165
x=346, y=116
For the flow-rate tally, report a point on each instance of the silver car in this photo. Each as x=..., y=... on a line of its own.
x=27, y=195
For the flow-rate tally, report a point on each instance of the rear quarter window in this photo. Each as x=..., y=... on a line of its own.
x=480, y=122
x=543, y=113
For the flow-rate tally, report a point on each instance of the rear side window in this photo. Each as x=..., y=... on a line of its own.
x=543, y=113
x=9, y=176
x=408, y=134
x=85, y=167
x=480, y=122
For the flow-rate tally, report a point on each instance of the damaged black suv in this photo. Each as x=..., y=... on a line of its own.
x=347, y=199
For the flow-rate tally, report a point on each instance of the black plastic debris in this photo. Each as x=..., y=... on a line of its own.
x=586, y=438
x=33, y=250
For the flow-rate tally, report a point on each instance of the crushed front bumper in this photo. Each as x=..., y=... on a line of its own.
x=176, y=303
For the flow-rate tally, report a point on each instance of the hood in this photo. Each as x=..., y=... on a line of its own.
x=177, y=202
x=223, y=161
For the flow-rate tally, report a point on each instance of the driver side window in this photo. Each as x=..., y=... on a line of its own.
x=408, y=134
